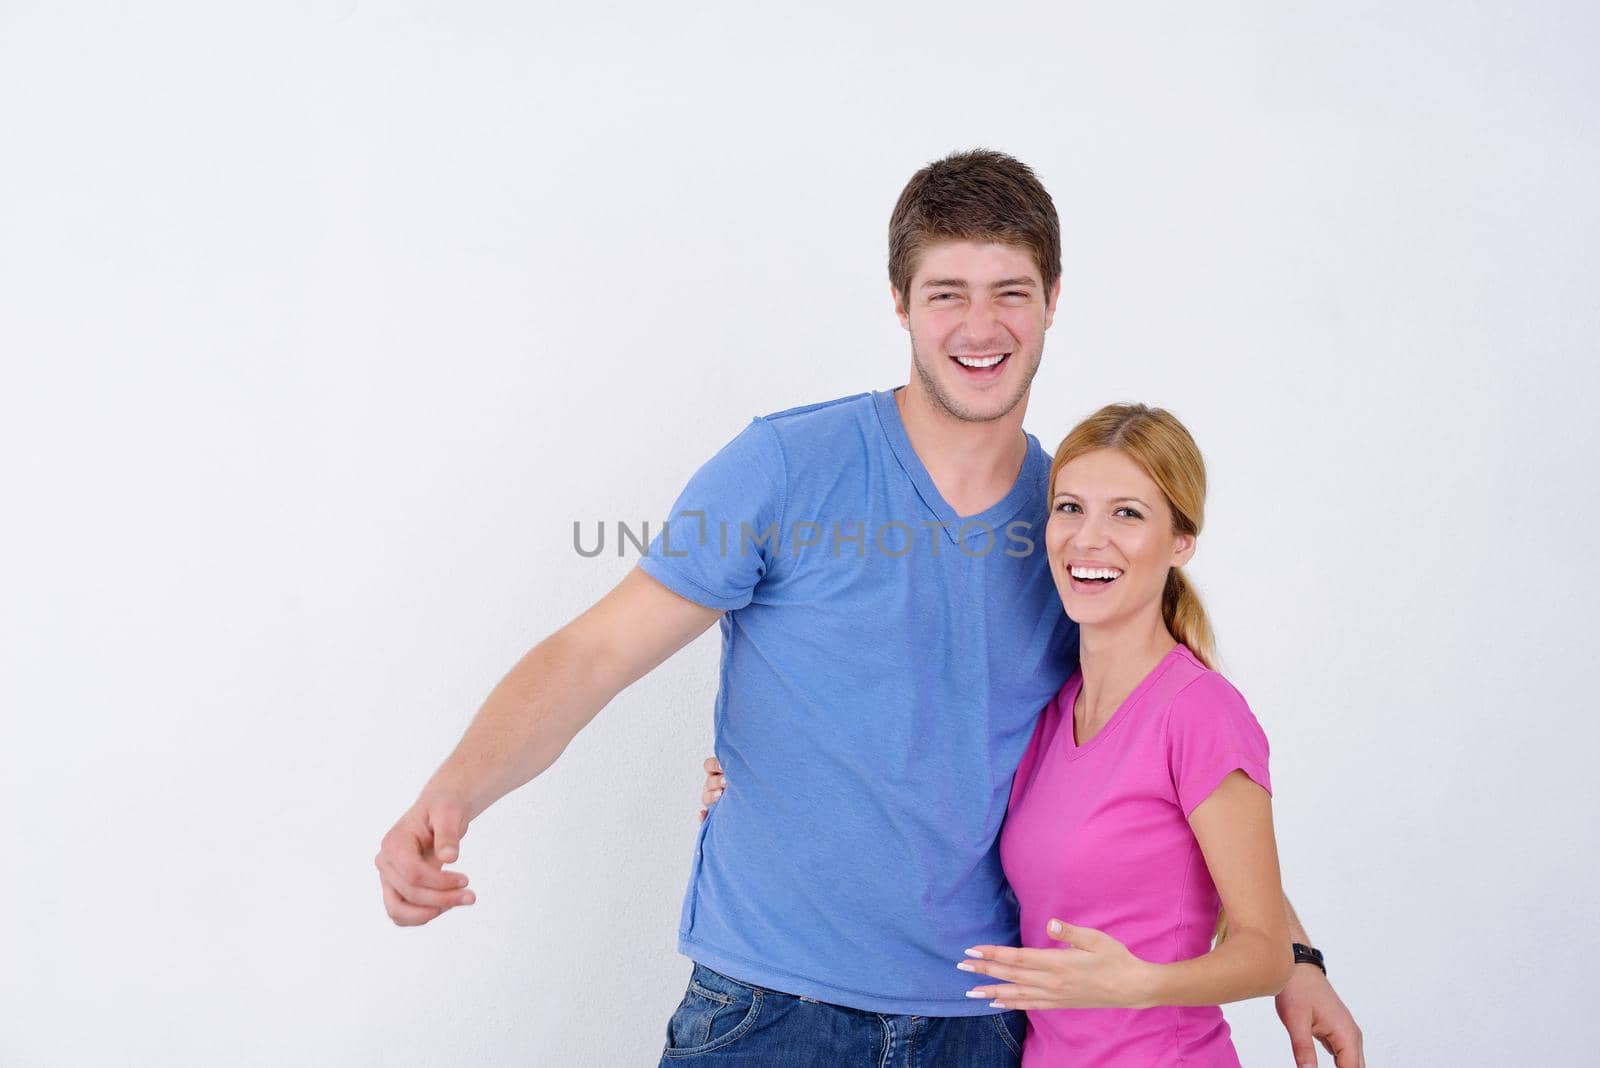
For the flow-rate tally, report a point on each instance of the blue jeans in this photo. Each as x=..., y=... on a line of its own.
x=731, y=1024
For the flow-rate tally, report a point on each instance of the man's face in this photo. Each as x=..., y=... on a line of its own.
x=977, y=314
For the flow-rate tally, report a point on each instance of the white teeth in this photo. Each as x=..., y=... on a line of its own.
x=1095, y=572
x=973, y=361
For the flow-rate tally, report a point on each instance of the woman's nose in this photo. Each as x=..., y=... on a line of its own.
x=1089, y=534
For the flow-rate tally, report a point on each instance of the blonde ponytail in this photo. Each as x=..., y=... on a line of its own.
x=1186, y=618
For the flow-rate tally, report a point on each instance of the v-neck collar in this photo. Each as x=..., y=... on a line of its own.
x=1029, y=478
x=1069, y=698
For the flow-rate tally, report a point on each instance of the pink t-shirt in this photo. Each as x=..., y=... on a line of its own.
x=1098, y=835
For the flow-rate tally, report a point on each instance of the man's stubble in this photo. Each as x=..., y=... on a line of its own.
x=936, y=392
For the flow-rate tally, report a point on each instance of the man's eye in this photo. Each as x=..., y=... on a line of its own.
x=943, y=296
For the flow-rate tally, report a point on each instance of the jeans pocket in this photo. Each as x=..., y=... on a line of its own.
x=708, y=1019
x=1013, y=1028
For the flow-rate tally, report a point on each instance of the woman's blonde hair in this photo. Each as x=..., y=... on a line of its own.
x=1155, y=440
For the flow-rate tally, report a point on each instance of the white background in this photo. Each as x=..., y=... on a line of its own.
x=322, y=322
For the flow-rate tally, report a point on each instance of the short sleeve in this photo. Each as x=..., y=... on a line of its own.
x=1211, y=732
x=721, y=536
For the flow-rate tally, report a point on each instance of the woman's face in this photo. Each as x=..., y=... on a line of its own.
x=1108, y=518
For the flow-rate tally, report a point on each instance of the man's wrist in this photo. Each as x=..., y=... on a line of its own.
x=450, y=791
x=1304, y=954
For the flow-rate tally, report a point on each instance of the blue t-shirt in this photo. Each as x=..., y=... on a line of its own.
x=883, y=663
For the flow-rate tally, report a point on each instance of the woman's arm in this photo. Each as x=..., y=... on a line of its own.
x=1234, y=829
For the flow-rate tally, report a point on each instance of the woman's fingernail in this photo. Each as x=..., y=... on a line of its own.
x=998, y=1005
x=977, y=994
x=467, y=899
x=964, y=966
x=973, y=953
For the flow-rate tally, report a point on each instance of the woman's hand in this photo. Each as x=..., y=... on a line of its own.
x=1094, y=971
x=716, y=782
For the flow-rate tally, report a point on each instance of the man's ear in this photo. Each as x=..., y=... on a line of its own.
x=1050, y=305
x=900, y=310
x=1183, y=550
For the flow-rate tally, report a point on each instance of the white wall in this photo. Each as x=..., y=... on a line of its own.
x=322, y=322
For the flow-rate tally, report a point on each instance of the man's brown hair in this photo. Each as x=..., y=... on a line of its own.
x=980, y=196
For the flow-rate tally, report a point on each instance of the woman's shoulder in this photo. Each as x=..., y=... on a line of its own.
x=1201, y=696
x=1209, y=731
x=1194, y=690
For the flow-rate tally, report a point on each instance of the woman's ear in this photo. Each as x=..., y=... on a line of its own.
x=1183, y=549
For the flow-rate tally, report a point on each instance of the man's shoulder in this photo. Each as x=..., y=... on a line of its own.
x=823, y=424
x=826, y=413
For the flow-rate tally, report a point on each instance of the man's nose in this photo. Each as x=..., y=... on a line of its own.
x=982, y=322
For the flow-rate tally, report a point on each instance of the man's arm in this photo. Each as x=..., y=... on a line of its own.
x=1312, y=1012
x=527, y=721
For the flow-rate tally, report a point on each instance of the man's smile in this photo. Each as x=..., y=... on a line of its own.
x=981, y=365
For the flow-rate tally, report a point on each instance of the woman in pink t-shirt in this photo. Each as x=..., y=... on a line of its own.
x=1142, y=802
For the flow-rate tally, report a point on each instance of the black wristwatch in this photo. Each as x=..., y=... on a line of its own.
x=1307, y=955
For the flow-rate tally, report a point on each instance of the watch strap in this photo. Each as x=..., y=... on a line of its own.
x=1308, y=955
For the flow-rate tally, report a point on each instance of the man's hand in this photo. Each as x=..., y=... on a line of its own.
x=523, y=726
x=411, y=861
x=1310, y=1009
x=715, y=783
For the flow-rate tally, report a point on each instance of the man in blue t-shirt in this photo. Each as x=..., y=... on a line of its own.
x=890, y=631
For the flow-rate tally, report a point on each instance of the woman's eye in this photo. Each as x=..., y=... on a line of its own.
x=1130, y=512
x=1066, y=506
